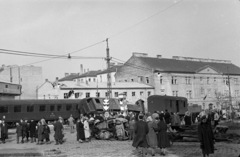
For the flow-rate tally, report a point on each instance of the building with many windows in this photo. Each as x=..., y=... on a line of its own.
x=205, y=82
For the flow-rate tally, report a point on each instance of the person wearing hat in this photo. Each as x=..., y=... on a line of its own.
x=206, y=137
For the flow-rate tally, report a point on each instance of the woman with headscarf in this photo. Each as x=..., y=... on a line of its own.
x=151, y=136
x=163, y=140
x=206, y=137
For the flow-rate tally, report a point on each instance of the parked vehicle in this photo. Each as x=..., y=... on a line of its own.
x=171, y=103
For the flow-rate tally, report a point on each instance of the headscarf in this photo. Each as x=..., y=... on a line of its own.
x=155, y=115
x=149, y=119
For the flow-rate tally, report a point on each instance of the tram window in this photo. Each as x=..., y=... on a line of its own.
x=68, y=107
x=30, y=108
x=17, y=108
x=170, y=103
x=59, y=107
x=42, y=108
x=3, y=109
x=52, y=108
x=184, y=104
x=97, y=101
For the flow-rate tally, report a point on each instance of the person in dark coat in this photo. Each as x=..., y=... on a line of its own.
x=187, y=119
x=141, y=131
x=4, y=131
x=80, y=130
x=58, y=128
x=205, y=135
x=24, y=129
x=46, y=132
x=32, y=130
x=18, y=131
x=40, y=132
x=167, y=117
x=163, y=140
x=27, y=131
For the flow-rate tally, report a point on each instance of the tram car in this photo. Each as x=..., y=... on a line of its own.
x=95, y=105
x=14, y=110
x=170, y=103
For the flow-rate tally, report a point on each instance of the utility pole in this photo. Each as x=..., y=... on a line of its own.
x=109, y=82
x=230, y=97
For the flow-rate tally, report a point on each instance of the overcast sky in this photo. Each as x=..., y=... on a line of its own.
x=191, y=28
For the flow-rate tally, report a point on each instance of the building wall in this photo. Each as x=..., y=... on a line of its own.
x=47, y=91
x=29, y=77
x=103, y=77
x=9, y=91
x=85, y=80
x=198, y=91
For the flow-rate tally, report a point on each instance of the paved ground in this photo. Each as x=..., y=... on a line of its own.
x=101, y=148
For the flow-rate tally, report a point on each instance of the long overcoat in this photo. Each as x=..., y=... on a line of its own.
x=86, y=129
x=80, y=131
x=151, y=136
x=206, y=138
x=58, y=128
x=40, y=132
x=163, y=140
x=141, y=131
x=32, y=129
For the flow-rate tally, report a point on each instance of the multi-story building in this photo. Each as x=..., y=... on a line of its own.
x=102, y=76
x=205, y=82
x=8, y=91
x=29, y=77
x=133, y=91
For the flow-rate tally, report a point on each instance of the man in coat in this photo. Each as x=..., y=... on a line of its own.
x=167, y=117
x=32, y=129
x=58, y=128
x=24, y=129
x=206, y=136
x=141, y=131
x=4, y=131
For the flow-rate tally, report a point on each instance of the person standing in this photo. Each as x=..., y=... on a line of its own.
x=131, y=128
x=167, y=117
x=80, y=130
x=18, y=131
x=141, y=131
x=40, y=133
x=151, y=136
x=24, y=129
x=71, y=123
x=216, y=119
x=58, y=128
x=46, y=132
x=187, y=119
x=32, y=130
x=163, y=140
x=86, y=128
x=205, y=135
x=4, y=131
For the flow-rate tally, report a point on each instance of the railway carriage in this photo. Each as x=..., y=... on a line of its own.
x=14, y=110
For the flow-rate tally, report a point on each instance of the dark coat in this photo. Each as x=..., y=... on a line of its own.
x=163, y=140
x=187, y=120
x=151, y=136
x=46, y=131
x=19, y=130
x=206, y=138
x=24, y=129
x=167, y=117
x=32, y=129
x=40, y=132
x=80, y=131
x=58, y=127
x=141, y=131
x=4, y=129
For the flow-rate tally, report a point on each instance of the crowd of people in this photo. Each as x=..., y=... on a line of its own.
x=146, y=130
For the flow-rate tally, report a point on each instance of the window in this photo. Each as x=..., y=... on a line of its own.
x=202, y=91
x=133, y=93
x=214, y=79
x=116, y=94
x=17, y=108
x=106, y=94
x=3, y=109
x=161, y=80
x=140, y=79
x=59, y=107
x=125, y=93
x=87, y=95
x=69, y=107
x=76, y=95
x=6, y=86
x=89, y=80
x=42, y=108
x=94, y=80
x=52, y=108
x=30, y=108
x=209, y=92
x=125, y=80
x=173, y=93
x=65, y=95
x=235, y=81
x=236, y=93
x=98, y=94
x=189, y=94
x=174, y=79
x=149, y=93
x=225, y=81
x=141, y=93
x=147, y=80
x=208, y=81
x=132, y=80
x=201, y=80
x=188, y=80
x=176, y=93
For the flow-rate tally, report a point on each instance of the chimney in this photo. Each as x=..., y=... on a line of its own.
x=81, y=69
x=66, y=74
x=159, y=56
x=46, y=80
